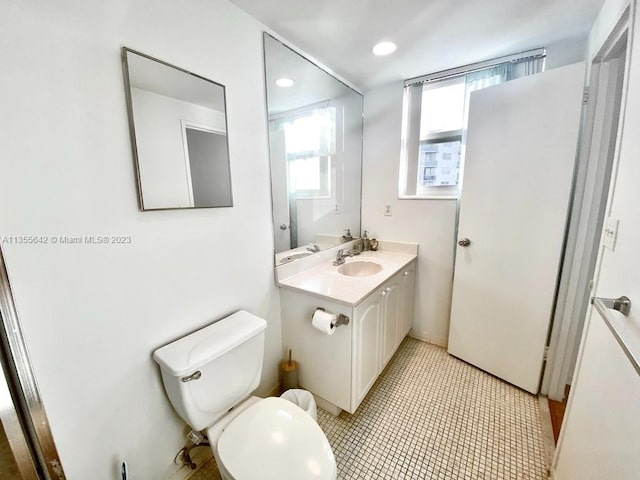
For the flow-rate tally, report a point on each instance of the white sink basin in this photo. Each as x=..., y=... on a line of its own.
x=360, y=268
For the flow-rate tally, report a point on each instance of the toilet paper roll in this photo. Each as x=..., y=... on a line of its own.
x=325, y=322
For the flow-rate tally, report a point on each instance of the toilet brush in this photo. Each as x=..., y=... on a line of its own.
x=288, y=374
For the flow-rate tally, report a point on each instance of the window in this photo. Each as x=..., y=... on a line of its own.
x=435, y=114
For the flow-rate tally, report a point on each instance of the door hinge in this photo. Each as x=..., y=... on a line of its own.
x=585, y=96
x=546, y=353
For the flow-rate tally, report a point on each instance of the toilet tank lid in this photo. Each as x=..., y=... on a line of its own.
x=189, y=353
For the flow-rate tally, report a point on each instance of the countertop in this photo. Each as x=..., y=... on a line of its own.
x=324, y=280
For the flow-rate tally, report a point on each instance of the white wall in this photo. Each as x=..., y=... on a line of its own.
x=161, y=158
x=92, y=315
x=430, y=223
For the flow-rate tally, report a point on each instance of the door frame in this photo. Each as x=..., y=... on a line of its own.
x=21, y=408
x=598, y=152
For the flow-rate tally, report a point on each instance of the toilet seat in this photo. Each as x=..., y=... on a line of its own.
x=274, y=439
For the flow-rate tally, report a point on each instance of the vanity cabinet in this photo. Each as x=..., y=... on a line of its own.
x=381, y=321
x=341, y=368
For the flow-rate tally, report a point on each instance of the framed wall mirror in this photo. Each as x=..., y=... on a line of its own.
x=178, y=126
x=315, y=143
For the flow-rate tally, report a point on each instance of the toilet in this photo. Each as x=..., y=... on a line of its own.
x=209, y=376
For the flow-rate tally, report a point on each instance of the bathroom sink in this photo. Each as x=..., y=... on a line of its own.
x=360, y=268
x=293, y=257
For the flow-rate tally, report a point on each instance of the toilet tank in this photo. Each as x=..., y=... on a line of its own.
x=213, y=369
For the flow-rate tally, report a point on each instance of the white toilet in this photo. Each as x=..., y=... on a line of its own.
x=209, y=376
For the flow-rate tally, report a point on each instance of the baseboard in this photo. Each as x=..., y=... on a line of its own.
x=426, y=337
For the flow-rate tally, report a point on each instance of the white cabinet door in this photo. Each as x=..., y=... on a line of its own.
x=366, y=347
x=521, y=148
x=390, y=315
x=406, y=300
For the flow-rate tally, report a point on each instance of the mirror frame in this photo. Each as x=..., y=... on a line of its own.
x=132, y=129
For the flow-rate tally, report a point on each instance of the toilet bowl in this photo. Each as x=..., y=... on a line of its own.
x=209, y=376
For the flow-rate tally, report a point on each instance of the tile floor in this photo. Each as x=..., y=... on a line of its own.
x=431, y=416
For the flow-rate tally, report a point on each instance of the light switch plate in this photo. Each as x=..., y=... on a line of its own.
x=611, y=233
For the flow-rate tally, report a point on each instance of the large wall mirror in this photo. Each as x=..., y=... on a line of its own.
x=179, y=133
x=315, y=141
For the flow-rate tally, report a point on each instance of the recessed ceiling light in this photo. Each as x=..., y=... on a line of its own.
x=384, y=48
x=285, y=82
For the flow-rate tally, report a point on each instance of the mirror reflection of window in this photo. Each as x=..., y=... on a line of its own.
x=310, y=141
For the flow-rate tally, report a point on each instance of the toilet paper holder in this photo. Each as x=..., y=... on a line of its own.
x=340, y=319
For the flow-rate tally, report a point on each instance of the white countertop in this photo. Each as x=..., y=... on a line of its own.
x=325, y=281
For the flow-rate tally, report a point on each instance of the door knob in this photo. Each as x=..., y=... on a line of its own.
x=464, y=242
x=283, y=227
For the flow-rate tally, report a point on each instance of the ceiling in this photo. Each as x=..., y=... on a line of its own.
x=431, y=35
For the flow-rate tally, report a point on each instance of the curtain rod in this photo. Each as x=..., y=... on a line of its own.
x=474, y=67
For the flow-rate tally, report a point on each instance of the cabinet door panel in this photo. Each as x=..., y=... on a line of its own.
x=391, y=309
x=366, y=347
x=407, y=300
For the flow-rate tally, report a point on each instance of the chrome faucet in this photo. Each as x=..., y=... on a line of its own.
x=313, y=248
x=340, y=256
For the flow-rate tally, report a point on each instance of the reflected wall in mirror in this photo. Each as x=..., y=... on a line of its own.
x=315, y=140
x=179, y=134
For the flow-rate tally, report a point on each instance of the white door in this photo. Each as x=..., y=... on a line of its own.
x=521, y=149
x=280, y=190
x=600, y=436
